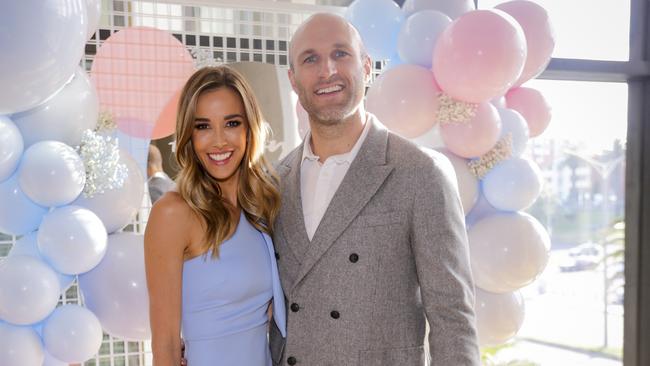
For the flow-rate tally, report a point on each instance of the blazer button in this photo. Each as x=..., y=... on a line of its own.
x=335, y=314
x=295, y=307
x=277, y=256
x=354, y=257
x=292, y=360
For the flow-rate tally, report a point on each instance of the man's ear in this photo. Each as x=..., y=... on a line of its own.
x=367, y=68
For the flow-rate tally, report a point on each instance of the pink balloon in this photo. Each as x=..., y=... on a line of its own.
x=540, y=38
x=136, y=72
x=479, y=56
x=475, y=137
x=533, y=106
x=405, y=99
x=303, y=119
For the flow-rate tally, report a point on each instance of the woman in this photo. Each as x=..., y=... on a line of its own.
x=209, y=259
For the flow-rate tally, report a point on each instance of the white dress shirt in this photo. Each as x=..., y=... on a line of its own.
x=319, y=181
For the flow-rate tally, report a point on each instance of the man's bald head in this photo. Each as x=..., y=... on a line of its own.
x=321, y=23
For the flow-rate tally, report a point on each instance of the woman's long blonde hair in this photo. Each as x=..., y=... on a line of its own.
x=257, y=193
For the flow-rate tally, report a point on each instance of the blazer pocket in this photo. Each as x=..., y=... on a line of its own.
x=379, y=219
x=408, y=356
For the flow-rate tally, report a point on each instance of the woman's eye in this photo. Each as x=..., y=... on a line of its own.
x=201, y=126
x=233, y=123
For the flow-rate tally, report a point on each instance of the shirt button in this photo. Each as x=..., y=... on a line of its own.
x=335, y=314
x=354, y=257
x=295, y=307
x=292, y=360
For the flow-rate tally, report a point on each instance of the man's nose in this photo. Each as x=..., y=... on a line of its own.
x=327, y=68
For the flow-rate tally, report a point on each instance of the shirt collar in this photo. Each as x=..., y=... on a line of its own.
x=348, y=157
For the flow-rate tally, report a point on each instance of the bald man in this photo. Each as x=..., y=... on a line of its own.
x=370, y=239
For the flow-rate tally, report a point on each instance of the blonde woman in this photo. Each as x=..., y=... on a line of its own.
x=210, y=263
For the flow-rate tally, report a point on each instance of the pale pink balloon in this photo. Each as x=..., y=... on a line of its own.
x=540, y=38
x=475, y=137
x=136, y=71
x=479, y=56
x=533, y=107
x=405, y=99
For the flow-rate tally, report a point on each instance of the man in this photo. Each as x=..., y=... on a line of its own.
x=158, y=182
x=370, y=239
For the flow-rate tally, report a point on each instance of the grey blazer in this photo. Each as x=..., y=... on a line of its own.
x=390, y=250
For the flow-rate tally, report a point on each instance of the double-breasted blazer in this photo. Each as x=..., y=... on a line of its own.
x=390, y=251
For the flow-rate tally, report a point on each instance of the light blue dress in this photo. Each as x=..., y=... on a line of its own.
x=225, y=301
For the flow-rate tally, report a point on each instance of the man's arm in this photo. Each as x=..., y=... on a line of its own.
x=439, y=242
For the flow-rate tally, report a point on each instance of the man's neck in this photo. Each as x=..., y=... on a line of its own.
x=338, y=138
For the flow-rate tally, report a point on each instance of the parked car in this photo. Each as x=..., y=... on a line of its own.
x=583, y=257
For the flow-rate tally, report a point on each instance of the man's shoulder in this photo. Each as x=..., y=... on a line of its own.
x=405, y=153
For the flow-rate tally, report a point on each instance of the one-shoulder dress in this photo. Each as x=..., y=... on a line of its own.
x=225, y=301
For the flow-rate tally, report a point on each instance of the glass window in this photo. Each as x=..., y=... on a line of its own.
x=586, y=29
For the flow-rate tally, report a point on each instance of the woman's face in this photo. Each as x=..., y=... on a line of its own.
x=219, y=134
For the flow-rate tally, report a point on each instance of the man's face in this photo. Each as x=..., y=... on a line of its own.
x=329, y=72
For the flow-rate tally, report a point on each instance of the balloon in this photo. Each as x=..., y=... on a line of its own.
x=116, y=290
x=482, y=208
x=29, y=290
x=117, y=207
x=498, y=316
x=452, y=8
x=418, y=36
x=64, y=117
x=378, y=23
x=405, y=99
x=507, y=251
x=33, y=66
x=72, y=334
x=499, y=102
x=467, y=183
x=479, y=56
x=166, y=120
x=51, y=361
x=514, y=124
x=540, y=38
x=20, y=346
x=72, y=239
x=18, y=214
x=27, y=245
x=94, y=13
x=431, y=138
x=475, y=137
x=513, y=184
x=51, y=173
x=393, y=61
x=11, y=147
x=533, y=107
x=138, y=91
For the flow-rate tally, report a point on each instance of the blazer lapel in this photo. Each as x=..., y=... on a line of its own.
x=293, y=220
x=366, y=174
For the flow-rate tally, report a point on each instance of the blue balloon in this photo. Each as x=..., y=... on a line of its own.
x=20, y=346
x=72, y=334
x=514, y=124
x=27, y=245
x=419, y=35
x=378, y=23
x=11, y=147
x=18, y=214
x=513, y=184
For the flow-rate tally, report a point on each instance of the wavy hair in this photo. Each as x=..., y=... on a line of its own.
x=257, y=193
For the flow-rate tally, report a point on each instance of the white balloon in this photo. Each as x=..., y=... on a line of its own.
x=20, y=346
x=27, y=245
x=64, y=117
x=51, y=361
x=29, y=290
x=94, y=12
x=116, y=290
x=513, y=184
x=42, y=42
x=498, y=316
x=513, y=123
x=507, y=251
x=468, y=185
x=418, y=35
x=453, y=8
x=482, y=208
x=72, y=334
x=431, y=138
x=18, y=214
x=11, y=147
x=117, y=207
x=73, y=239
x=51, y=173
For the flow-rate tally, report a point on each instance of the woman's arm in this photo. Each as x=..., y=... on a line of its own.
x=165, y=240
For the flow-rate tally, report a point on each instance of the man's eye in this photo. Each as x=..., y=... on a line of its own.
x=309, y=59
x=340, y=54
x=233, y=123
